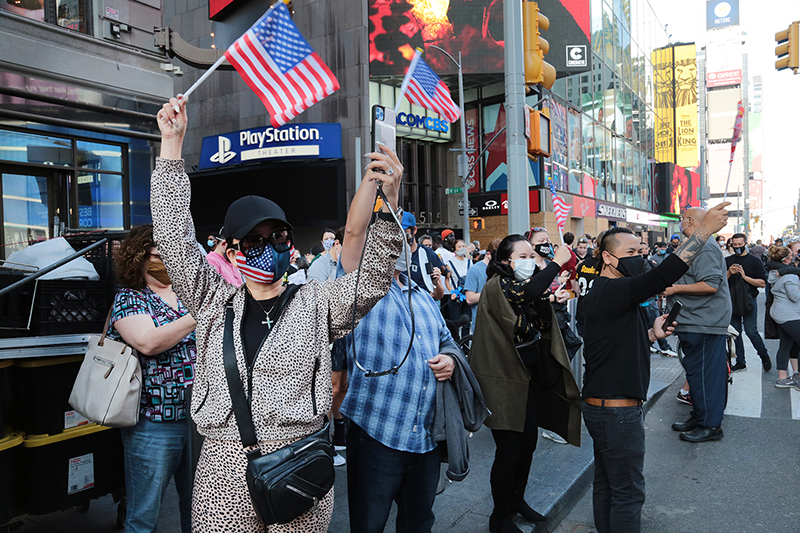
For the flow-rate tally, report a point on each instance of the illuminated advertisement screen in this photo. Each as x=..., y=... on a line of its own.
x=677, y=188
x=686, y=124
x=721, y=13
x=722, y=107
x=663, y=73
x=474, y=28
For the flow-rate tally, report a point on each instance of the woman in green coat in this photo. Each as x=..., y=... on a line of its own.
x=519, y=359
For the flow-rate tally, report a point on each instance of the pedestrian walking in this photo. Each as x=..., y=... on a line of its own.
x=702, y=332
x=617, y=372
x=746, y=275
x=281, y=336
x=523, y=369
x=785, y=311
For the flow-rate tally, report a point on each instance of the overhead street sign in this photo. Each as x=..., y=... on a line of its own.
x=472, y=212
x=454, y=190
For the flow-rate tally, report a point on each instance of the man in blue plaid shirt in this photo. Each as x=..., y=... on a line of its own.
x=390, y=449
x=391, y=455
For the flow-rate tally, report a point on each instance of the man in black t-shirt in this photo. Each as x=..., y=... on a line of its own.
x=588, y=270
x=617, y=354
x=747, y=268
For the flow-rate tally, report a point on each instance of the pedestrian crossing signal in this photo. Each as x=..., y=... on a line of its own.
x=476, y=224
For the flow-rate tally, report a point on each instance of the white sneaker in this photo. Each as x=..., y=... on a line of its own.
x=669, y=352
x=653, y=348
x=338, y=460
x=553, y=437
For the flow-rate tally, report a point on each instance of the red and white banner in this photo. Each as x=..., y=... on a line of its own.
x=721, y=79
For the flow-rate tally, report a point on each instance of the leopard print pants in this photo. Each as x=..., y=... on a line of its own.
x=221, y=501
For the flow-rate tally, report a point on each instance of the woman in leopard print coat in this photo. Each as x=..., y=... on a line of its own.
x=282, y=374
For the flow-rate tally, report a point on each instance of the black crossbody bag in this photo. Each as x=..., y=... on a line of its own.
x=288, y=482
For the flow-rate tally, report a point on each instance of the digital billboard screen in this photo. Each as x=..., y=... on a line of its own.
x=677, y=188
x=474, y=28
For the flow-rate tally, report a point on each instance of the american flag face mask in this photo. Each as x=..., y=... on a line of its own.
x=267, y=267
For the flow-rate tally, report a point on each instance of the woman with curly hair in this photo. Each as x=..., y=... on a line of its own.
x=148, y=316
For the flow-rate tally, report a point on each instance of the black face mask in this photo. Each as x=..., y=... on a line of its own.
x=738, y=250
x=631, y=266
x=544, y=249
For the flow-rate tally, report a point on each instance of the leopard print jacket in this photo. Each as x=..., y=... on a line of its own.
x=319, y=313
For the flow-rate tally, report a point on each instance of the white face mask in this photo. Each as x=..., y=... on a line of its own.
x=402, y=264
x=523, y=268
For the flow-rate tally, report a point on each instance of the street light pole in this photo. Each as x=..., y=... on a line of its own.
x=462, y=160
x=516, y=149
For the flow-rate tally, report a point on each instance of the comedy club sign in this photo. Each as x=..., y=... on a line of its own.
x=292, y=141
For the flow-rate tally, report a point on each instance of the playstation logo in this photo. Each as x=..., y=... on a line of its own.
x=224, y=154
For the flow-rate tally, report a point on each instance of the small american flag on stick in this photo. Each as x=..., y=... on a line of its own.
x=560, y=207
x=276, y=62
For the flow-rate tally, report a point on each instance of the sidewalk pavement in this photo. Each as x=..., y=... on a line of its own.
x=560, y=475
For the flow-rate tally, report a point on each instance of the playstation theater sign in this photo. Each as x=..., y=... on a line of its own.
x=295, y=141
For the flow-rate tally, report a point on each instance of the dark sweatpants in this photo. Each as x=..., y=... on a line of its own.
x=705, y=363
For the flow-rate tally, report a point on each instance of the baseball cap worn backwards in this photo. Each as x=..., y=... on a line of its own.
x=249, y=211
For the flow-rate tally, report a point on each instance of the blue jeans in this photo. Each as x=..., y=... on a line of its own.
x=705, y=362
x=154, y=453
x=618, y=440
x=378, y=475
x=751, y=328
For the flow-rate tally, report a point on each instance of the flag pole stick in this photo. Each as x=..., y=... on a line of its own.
x=204, y=77
x=407, y=79
x=727, y=182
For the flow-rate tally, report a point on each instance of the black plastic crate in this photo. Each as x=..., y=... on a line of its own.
x=15, y=306
x=62, y=471
x=102, y=257
x=9, y=450
x=64, y=307
x=5, y=394
x=41, y=394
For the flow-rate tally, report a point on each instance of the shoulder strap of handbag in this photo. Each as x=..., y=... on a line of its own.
x=105, y=326
x=241, y=408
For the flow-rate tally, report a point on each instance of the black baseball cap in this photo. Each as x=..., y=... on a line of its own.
x=249, y=211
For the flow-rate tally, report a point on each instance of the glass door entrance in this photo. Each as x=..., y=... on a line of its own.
x=33, y=207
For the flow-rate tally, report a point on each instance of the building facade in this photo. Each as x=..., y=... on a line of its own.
x=80, y=82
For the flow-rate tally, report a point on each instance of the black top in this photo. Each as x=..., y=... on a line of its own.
x=253, y=330
x=433, y=259
x=588, y=271
x=616, y=344
x=752, y=266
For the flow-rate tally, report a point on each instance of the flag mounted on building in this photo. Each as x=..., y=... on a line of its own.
x=737, y=129
x=560, y=207
x=424, y=88
x=278, y=64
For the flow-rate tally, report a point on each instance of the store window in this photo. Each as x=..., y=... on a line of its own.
x=72, y=14
x=50, y=183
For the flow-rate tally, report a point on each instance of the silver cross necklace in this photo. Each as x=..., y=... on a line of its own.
x=268, y=321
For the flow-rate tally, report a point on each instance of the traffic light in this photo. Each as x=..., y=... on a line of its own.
x=537, y=70
x=788, y=49
x=476, y=224
x=540, y=135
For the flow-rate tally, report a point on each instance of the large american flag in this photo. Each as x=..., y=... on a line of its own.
x=278, y=64
x=427, y=90
x=559, y=206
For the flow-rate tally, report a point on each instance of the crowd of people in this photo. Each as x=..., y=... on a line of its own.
x=386, y=311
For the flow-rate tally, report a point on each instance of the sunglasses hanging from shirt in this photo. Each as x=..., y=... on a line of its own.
x=372, y=373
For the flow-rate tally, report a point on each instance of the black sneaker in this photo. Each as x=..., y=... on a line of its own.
x=701, y=434
x=766, y=362
x=684, y=398
x=738, y=367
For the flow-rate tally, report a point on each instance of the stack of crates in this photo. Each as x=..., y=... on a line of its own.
x=64, y=460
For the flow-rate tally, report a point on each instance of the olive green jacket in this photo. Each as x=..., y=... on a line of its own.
x=504, y=379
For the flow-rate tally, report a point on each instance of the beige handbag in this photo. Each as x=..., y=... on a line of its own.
x=108, y=388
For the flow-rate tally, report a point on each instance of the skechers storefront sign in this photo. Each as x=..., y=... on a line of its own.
x=317, y=141
x=426, y=123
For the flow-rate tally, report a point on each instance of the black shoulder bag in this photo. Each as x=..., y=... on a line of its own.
x=287, y=482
